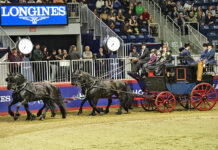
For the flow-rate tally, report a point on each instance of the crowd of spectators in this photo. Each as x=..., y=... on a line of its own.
x=129, y=16
x=190, y=12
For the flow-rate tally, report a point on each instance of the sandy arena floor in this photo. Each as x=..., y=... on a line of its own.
x=138, y=130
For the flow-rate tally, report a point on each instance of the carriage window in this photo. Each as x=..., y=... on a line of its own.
x=181, y=74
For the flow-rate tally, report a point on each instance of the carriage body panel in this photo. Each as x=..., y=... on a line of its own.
x=180, y=87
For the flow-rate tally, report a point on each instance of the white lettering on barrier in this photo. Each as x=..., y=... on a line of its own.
x=5, y=98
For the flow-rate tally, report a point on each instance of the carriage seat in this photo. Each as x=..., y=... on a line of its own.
x=151, y=72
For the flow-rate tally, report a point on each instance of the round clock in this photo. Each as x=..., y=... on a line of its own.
x=25, y=46
x=113, y=44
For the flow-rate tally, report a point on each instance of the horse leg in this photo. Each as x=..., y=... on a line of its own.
x=40, y=111
x=108, y=106
x=30, y=116
x=81, y=106
x=52, y=108
x=9, y=108
x=122, y=102
x=61, y=105
x=44, y=113
x=95, y=101
x=16, y=116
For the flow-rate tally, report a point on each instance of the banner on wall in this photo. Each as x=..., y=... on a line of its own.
x=21, y=15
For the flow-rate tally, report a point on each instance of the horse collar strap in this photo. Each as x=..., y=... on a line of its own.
x=21, y=88
x=90, y=87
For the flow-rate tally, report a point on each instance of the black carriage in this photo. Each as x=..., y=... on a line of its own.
x=178, y=84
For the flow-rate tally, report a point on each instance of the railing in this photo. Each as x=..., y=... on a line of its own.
x=61, y=71
x=170, y=32
x=100, y=29
x=6, y=41
x=73, y=11
x=196, y=38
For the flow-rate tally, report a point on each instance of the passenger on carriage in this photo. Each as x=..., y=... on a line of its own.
x=187, y=56
x=143, y=58
x=207, y=58
x=165, y=57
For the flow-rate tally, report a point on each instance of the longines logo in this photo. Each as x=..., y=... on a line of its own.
x=33, y=14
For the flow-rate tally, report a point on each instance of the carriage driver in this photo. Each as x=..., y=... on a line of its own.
x=143, y=58
x=207, y=58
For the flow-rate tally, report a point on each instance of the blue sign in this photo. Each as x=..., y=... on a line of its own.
x=33, y=15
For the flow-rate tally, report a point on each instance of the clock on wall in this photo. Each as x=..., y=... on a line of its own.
x=113, y=43
x=25, y=46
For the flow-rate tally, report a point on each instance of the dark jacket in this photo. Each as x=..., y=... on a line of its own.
x=37, y=55
x=210, y=57
x=185, y=53
x=144, y=56
x=74, y=55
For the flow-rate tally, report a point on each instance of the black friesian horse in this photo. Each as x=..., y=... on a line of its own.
x=94, y=89
x=24, y=92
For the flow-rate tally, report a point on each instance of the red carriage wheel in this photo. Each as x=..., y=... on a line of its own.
x=203, y=97
x=148, y=105
x=165, y=102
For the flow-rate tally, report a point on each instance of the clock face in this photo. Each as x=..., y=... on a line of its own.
x=25, y=46
x=113, y=44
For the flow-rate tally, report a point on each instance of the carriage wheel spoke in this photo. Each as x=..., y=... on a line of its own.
x=208, y=104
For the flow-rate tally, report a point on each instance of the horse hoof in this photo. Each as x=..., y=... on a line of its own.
x=53, y=115
x=41, y=118
x=27, y=119
x=79, y=113
x=33, y=118
x=118, y=113
x=39, y=114
x=16, y=116
x=106, y=111
x=92, y=114
x=101, y=109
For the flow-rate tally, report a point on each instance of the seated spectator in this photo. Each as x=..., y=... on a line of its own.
x=134, y=58
x=127, y=29
x=201, y=17
x=99, y=5
x=145, y=14
x=209, y=19
x=87, y=54
x=179, y=6
x=134, y=25
x=169, y=8
x=22, y=1
x=142, y=23
x=39, y=1
x=95, y=12
x=84, y=3
x=153, y=27
x=125, y=4
x=192, y=18
x=185, y=13
x=14, y=57
x=139, y=9
x=120, y=16
x=48, y=1
x=5, y=1
x=129, y=15
x=131, y=7
x=210, y=10
x=175, y=13
x=182, y=23
x=104, y=15
x=113, y=15
x=73, y=53
x=116, y=4
x=31, y=1
x=109, y=4
x=186, y=53
x=58, y=1
x=110, y=22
